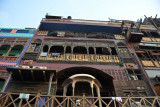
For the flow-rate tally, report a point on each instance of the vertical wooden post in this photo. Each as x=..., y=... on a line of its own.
x=36, y=103
x=6, y=83
x=115, y=103
x=49, y=47
x=64, y=53
x=95, y=54
x=130, y=102
x=88, y=54
x=50, y=83
x=83, y=99
x=71, y=53
x=20, y=103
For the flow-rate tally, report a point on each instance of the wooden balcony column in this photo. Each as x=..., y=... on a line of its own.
x=48, y=51
x=50, y=83
x=111, y=54
x=73, y=87
x=6, y=82
x=72, y=52
x=95, y=54
x=88, y=53
x=92, y=86
x=64, y=56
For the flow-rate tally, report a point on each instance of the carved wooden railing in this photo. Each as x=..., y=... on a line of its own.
x=150, y=39
x=13, y=100
x=82, y=58
x=149, y=63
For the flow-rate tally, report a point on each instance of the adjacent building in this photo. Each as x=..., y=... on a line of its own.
x=13, y=44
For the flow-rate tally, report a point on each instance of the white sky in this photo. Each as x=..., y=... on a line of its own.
x=28, y=13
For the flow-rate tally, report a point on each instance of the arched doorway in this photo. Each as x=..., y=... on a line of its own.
x=103, y=81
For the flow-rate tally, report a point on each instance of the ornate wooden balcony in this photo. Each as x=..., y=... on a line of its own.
x=33, y=100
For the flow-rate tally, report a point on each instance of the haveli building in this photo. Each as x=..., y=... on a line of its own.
x=72, y=62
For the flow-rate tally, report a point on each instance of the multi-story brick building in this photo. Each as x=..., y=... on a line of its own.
x=98, y=60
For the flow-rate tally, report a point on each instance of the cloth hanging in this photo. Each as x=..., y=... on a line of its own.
x=24, y=96
x=55, y=54
x=44, y=54
x=119, y=99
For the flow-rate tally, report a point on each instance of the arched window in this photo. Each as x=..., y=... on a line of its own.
x=45, y=48
x=56, y=50
x=79, y=50
x=44, y=51
x=16, y=50
x=4, y=49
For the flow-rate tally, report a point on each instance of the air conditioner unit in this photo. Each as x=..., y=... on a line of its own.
x=130, y=66
x=28, y=62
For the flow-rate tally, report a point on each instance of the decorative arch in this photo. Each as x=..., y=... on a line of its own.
x=45, y=48
x=56, y=49
x=101, y=78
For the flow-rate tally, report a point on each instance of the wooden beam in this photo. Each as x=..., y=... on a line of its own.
x=44, y=76
x=33, y=76
x=20, y=73
x=50, y=82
